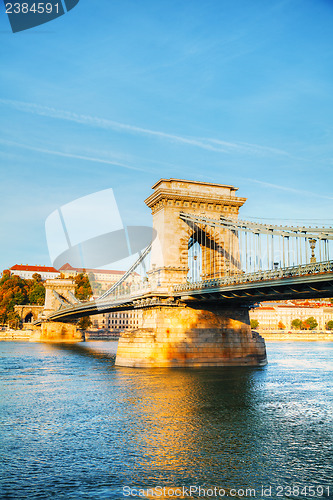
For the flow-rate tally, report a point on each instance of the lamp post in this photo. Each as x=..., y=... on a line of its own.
x=313, y=246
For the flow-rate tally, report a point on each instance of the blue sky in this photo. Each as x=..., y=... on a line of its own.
x=121, y=93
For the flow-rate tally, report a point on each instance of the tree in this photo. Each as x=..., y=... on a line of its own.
x=96, y=287
x=15, y=291
x=83, y=289
x=84, y=323
x=37, y=278
x=329, y=325
x=312, y=322
x=254, y=324
x=37, y=294
x=13, y=320
x=281, y=326
x=296, y=324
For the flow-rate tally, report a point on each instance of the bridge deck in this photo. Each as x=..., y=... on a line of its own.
x=305, y=281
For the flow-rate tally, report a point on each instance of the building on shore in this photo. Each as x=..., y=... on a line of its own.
x=117, y=322
x=101, y=280
x=27, y=272
x=273, y=316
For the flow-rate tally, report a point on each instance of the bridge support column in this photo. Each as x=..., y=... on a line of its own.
x=184, y=336
x=52, y=331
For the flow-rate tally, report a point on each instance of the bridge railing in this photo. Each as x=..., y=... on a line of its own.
x=286, y=272
x=134, y=290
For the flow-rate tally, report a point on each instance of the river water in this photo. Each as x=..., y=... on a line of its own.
x=74, y=426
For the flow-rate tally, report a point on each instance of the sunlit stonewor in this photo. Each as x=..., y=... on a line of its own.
x=207, y=268
x=175, y=334
x=218, y=246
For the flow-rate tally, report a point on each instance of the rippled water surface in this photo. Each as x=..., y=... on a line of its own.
x=74, y=426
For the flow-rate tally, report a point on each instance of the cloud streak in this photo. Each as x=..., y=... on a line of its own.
x=74, y=156
x=210, y=144
x=289, y=189
x=94, y=159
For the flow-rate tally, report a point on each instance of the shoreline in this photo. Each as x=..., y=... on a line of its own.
x=28, y=336
x=25, y=335
x=297, y=337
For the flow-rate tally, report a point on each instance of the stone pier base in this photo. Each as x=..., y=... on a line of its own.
x=56, y=332
x=183, y=336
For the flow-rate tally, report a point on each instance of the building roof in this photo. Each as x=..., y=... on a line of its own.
x=296, y=304
x=200, y=183
x=68, y=267
x=36, y=269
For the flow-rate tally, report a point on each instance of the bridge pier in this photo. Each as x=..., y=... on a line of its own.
x=183, y=336
x=52, y=331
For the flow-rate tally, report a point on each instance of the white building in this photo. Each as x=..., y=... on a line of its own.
x=117, y=322
x=104, y=277
x=26, y=272
x=271, y=315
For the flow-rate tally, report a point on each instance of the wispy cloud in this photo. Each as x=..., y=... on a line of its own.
x=289, y=189
x=248, y=148
x=74, y=156
x=210, y=144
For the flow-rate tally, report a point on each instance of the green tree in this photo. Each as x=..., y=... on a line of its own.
x=254, y=324
x=37, y=294
x=84, y=323
x=13, y=319
x=296, y=324
x=312, y=322
x=37, y=278
x=329, y=325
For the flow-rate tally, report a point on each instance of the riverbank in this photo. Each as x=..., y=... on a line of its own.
x=28, y=335
x=297, y=337
x=8, y=335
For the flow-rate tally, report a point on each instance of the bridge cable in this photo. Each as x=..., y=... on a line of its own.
x=127, y=274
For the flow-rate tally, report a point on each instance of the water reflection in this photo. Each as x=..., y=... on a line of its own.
x=79, y=427
x=191, y=422
x=85, y=350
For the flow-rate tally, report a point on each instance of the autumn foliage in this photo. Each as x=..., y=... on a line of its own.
x=83, y=289
x=15, y=291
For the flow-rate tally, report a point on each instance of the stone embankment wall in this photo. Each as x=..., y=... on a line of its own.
x=36, y=335
x=298, y=336
x=15, y=335
x=100, y=335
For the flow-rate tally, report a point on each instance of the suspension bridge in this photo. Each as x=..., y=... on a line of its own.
x=206, y=269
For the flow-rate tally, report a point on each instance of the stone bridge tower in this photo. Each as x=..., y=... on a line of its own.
x=58, y=292
x=175, y=333
x=219, y=246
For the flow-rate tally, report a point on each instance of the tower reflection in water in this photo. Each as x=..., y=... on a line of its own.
x=228, y=427
x=193, y=426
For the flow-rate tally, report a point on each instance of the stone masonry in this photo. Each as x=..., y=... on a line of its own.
x=179, y=335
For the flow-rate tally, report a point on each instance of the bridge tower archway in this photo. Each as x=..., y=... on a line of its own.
x=194, y=260
x=170, y=250
x=29, y=318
